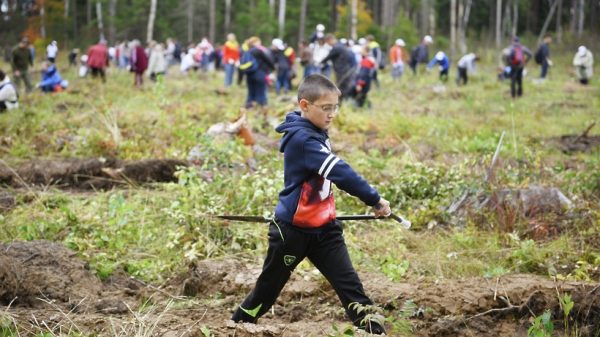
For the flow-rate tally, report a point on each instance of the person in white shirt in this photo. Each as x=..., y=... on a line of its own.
x=157, y=64
x=466, y=65
x=320, y=51
x=8, y=93
x=52, y=51
x=583, y=63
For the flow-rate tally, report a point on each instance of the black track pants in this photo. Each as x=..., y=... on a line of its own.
x=288, y=246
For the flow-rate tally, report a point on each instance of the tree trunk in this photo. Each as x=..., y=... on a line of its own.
x=281, y=18
x=227, y=16
x=302, y=20
x=354, y=20
x=547, y=22
x=99, y=17
x=498, y=23
x=334, y=15
x=452, y=28
x=212, y=15
x=75, y=29
x=43, y=19
x=515, y=20
x=88, y=11
x=465, y=25
x=378, y=12
x=424, y=22
x=151, y=18
x=506, y=20
x=271, y=7
x=66, y=15
x=559, y=30
x=112, y=13
x=581, y=17
x=190, y=21
x=574, y=16
x=594, y=25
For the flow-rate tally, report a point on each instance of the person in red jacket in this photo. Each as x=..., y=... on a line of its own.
x=98, y=59
x=139, y=62
x=231, y=58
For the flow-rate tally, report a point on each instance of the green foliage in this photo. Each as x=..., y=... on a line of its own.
x=395, y=270
x=542, y=326
x=403, y=29
x=206, y=331
x=345, y=331
x=364, y=17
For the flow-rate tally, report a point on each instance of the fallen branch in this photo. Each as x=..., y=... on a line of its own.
x=490, y=173
x=585, y=132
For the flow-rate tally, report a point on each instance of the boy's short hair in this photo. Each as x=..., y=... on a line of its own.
x=315, y=86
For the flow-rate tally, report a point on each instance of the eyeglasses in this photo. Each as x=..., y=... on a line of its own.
x=328, y=108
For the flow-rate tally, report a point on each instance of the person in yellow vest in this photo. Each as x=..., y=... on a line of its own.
x=377, y=55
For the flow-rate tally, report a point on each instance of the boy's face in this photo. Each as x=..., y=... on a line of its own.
x=322, y=111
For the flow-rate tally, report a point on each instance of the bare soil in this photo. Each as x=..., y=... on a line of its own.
x=45, y=286
x=89, y=173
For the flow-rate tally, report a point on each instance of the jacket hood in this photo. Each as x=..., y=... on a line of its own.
x=293, y=123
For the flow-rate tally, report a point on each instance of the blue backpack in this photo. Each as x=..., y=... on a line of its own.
x=248, y=63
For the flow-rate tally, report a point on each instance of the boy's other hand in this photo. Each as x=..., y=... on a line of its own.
x=382, y=209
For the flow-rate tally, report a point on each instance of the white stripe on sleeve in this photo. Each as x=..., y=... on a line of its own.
x=331, y=167
x=325, y=162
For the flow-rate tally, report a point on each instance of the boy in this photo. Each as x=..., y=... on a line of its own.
x=368, y=66
x=304, y=224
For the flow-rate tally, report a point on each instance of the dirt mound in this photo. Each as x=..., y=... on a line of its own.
x=90, y=173
x=204, y=298
x=502, y=306
x=41, y=269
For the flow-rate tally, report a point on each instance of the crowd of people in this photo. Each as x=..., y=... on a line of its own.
x=355, y=64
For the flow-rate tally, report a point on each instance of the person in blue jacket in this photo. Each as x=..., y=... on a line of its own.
x=305, y=224
x=51, y=80
x=443, y=61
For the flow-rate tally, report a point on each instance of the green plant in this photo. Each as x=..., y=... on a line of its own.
x=400, y=325
x=373, y=313
x=206, y=331
x=345, y=331
x=542, y=326
x=566, y=304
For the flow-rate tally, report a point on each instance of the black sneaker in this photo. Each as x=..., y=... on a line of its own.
x=374, y=328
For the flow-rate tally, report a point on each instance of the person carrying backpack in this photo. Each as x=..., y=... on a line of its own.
x=420, y=54
x=518, y=56
x=542, y=56
x=256, y=65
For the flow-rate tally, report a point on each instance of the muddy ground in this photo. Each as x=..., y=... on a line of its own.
x=45, y=286
x=89, y=174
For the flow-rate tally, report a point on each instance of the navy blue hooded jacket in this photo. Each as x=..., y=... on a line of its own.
x=309, y=168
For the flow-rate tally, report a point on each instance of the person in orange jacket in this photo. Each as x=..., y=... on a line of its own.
x=398, y=58
x=231, y=58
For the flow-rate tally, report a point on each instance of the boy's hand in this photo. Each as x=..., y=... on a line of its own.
x=382, y=209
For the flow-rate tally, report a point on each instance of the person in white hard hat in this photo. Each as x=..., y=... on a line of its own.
x=443, y=61
x=420, y=54
x=583, y=63
x=398, y=58
x=319, y=33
